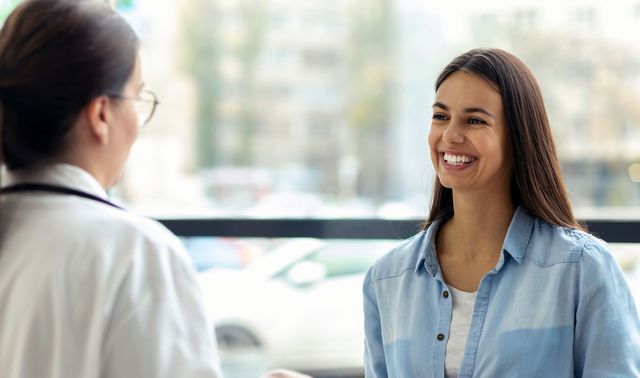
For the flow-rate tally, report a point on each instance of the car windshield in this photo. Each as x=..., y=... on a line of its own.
x=339, y=256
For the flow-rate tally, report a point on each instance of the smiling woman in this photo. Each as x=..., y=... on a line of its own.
x=469, y=145
x=502, y=268
x=508, y=88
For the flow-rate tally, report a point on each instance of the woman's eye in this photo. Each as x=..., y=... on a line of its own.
x=439, y=117
x=476, y=121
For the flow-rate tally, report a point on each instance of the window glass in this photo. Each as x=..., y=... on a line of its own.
x=290, y=108
x=283, y=108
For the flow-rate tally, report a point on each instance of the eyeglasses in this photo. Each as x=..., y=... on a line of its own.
x=145, y=104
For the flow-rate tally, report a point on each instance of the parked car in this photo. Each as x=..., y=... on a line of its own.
x=220, y=252
x=299, y=306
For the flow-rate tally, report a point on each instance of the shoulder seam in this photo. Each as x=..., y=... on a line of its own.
x=376, y=279
x=576, y=254
x=580, y=251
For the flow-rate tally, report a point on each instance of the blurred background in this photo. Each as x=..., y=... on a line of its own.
x=321, y=108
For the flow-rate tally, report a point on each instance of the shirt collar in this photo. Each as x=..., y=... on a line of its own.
x=515, y=242
x=428, y=258
x=518, y=234
x=60, y=174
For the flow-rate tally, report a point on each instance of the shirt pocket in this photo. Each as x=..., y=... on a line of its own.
x=408, y=358
x=545, y=352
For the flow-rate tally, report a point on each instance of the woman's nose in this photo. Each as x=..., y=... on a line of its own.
x=452, y=134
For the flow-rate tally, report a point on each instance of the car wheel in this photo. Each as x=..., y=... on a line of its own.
x=234, y=337
x=241, y=353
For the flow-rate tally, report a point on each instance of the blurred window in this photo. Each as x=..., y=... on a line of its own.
x=289, y=108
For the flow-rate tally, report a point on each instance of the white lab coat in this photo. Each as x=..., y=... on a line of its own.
x=87, y=290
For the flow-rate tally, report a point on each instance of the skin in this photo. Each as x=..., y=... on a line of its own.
x=468, y=120
x=102, y=136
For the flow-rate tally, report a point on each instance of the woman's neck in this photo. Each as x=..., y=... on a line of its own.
x=478, y=226
x=470, y=243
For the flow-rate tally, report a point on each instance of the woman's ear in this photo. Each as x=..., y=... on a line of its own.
x=98, y=115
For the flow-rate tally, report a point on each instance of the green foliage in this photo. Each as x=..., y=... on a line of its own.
x=6, y=8
x=371, y=65
x=204, y=47
x=124, y=5
x=200, y=61
x=371, y=75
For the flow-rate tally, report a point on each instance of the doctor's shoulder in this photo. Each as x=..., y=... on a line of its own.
x=157, y=238
x=129, y=237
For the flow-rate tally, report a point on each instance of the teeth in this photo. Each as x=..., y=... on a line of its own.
x=457, y=159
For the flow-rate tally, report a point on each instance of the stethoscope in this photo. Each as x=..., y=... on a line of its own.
x=36, y=187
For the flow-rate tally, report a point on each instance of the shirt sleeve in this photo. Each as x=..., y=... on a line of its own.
x=157, y=326
x=607, y=329
x=374, y=359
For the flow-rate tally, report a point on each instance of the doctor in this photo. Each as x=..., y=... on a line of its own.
x=86, y=288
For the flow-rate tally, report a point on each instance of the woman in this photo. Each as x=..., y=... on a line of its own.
x=86, y=289
x=503, y=281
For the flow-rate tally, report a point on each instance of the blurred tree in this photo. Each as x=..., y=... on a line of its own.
x=201, y=54
x=6, y=7
x=124, y=5
x=253, y=19
x=370, y=76
x=224, y=101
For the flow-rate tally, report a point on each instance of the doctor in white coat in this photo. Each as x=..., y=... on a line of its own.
x=86, y=288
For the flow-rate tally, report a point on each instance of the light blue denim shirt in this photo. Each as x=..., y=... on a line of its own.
x=555, y=305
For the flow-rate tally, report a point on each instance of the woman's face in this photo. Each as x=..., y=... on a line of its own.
x=124, y=129
x=468, y=136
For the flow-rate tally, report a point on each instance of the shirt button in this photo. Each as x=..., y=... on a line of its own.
x=445, y=294
x=440, y=337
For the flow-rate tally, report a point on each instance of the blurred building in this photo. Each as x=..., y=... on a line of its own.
x=332, y=99
x=585, y=56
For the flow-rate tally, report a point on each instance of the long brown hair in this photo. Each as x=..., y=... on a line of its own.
x=55, y=57
x=536, y=181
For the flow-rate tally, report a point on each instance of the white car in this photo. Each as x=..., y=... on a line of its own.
x=299, y=307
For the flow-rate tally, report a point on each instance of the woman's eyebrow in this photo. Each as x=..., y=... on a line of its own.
x=440, y=105
x=476, y=109
x=479, y=110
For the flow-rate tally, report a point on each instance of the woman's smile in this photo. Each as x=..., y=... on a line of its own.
x=456, y=161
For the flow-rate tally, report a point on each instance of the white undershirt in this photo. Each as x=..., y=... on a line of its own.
x=460, y=321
